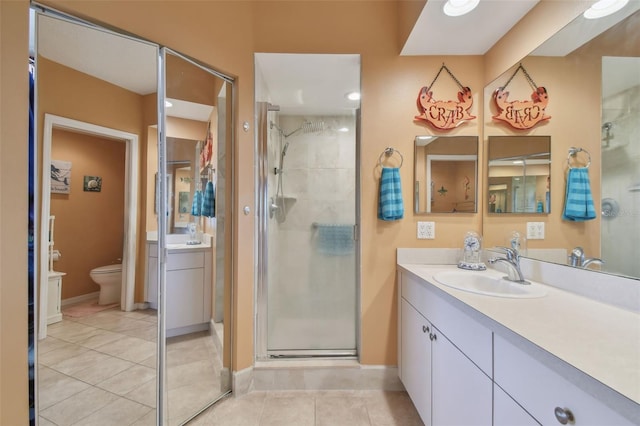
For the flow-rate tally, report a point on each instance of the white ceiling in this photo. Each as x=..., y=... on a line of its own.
x=472, y=34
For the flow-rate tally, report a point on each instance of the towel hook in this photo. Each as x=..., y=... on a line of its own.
x=389, y=152
x=573, y=151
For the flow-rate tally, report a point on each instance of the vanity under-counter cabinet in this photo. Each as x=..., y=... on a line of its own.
x=188, y=289
x=444, y=383
x=462, y=370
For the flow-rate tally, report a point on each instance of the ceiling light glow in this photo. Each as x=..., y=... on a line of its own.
x=459, y=7
x=604, y=8
x=353, y=96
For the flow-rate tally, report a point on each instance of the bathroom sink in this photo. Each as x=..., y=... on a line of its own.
x=489, y=284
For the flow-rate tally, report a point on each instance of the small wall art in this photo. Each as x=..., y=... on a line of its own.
x=60, y=177
x=92, y=183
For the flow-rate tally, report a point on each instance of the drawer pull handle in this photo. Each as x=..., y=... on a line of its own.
x=425, y=329
x=432, y=336
x=564, y=415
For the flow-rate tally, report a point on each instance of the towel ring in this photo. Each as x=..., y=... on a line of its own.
x=389, y=152
x=573, y=151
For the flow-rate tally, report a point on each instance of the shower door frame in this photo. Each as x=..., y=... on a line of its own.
x=262, y=248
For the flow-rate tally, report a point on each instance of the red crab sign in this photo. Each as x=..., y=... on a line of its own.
x=522, y=114
x=444, y=114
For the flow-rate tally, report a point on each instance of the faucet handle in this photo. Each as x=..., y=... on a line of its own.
x=511, y=253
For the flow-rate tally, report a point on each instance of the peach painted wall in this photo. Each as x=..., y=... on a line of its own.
x=389, y=87
x=89, y=225
x=14, y=125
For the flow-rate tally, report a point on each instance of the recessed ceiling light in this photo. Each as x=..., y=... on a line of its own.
x=459, y=7
x=168, y=104
x=353, y=96
x=604, y=8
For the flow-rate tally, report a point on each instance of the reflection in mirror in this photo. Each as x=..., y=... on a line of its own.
x=92, y=114
x=603, y=54
x=519, y=174
x=197, y=326
x=445, y=171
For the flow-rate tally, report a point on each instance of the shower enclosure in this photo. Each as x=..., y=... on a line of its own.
x=307, y=294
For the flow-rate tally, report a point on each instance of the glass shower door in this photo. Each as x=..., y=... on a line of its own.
x=311, y=292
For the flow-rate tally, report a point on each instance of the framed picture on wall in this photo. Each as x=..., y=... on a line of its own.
x=60, y=177
x=92, y=183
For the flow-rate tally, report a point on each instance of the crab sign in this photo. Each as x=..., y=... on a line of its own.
x=522, y=114
x=444, y=114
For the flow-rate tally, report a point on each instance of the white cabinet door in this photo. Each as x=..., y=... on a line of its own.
x=506, y=412
x=462, y=393
x=416, y=359
x=185, y=298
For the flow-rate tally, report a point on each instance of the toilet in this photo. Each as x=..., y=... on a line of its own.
x=109, y=278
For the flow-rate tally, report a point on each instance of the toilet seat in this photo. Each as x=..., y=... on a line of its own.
x=107, y=269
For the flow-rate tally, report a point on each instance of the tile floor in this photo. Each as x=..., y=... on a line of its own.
x=100, y=370
x=312, y=408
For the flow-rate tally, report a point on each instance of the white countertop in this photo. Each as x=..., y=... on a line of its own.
x=600, y=340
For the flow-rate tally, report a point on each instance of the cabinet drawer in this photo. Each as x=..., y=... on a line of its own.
x=540, y=390
x=472, y=338
x=177, y=261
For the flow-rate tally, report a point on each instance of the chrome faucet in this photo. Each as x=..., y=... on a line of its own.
x=578, y=259
x=511, y=258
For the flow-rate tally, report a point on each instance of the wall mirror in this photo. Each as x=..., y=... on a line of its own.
x=603, y=55
x=96, y=344
x=445, y=174
x=197, y=148
x=157, y=350
x=519, y=174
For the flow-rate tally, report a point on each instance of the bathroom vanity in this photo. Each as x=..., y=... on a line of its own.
x=469, y=358
x=188, y=284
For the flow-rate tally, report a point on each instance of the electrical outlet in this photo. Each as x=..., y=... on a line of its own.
x=535, y=230
x=426, y=230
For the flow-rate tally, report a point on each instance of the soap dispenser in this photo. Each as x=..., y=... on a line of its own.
x=471, y=247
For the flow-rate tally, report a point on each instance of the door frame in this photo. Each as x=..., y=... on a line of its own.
x=130, y=207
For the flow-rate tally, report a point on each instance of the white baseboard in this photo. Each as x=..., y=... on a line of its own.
x=81, y=298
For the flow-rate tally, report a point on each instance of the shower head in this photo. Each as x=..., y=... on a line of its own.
x=284, y=150
x=308, y=127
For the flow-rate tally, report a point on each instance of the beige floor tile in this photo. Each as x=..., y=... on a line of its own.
x=88, y=359
x=183, y=402
x=44, y=422
x=118, y=412
x=102, y=337
x=147, y=420
x=392, y=408
x=289, y=411
x=78, y=406
x=129, y=348
x=144, y=394
x=128, y=380
x=57, y=355
x=107, y=368
x=201, y=372
x=245, y=410
x=71, y=331
x=147, y=332
x=341, y=411
x=54, y=387
x=50, y=343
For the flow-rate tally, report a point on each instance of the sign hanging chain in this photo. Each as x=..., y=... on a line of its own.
x=444, y=67
x=532, y=83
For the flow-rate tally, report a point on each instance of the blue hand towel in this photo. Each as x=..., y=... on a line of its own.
x=209, y=201
x=578, y=205
x=196, y=207
x=334, y=239
x=390, y=205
